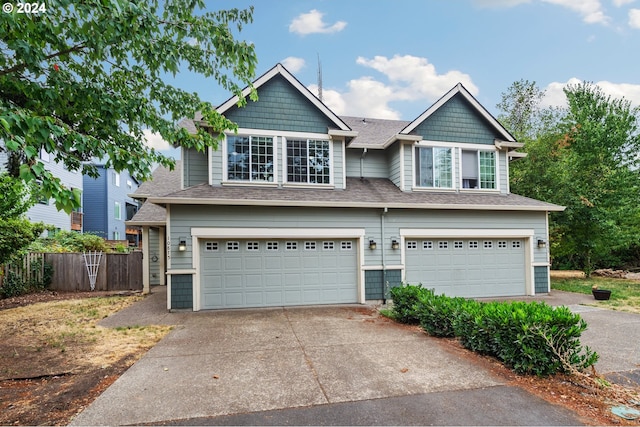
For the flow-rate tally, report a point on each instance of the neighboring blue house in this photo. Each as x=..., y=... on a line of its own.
x=108, y=205
x=301, y=206
x=45, y=210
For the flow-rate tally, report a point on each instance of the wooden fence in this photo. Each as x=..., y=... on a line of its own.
x=31, y=269
x=116, y=271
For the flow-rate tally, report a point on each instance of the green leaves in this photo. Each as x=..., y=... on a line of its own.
x=85, y=80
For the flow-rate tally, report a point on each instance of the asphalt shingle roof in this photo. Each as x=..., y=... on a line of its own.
x=367, y=193
x=163, y=181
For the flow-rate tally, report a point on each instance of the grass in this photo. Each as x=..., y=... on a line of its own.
x=625, y=294
x=69, y=327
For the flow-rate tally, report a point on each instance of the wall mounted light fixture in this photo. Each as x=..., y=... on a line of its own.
x=182, y=245
x=395, y=244
x=372, y=244
x=542, y=244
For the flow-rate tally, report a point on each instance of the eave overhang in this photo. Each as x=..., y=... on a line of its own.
x=349, y=204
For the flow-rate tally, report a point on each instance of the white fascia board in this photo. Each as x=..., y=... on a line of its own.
x=343, y=133
x=507, y=144
x=465, y=232
x=516, y=155
x=277, y=233
x=143, y=223
x=338, y=204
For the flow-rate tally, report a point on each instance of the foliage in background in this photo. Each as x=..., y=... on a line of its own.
x=625, y=294
x=584, y=157
x=40, y=279
x=530, y=338
x=16, y=232
x=69, y=241
x=85, y=80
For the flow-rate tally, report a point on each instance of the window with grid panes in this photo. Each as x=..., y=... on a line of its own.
x=308, y=161
x=250, y=158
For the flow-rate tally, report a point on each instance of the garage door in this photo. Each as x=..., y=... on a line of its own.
x=263, y=273
x=467, y=267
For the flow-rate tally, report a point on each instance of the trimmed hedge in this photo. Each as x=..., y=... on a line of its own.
x=530, y=338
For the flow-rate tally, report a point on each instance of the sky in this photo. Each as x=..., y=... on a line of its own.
x=392, y=59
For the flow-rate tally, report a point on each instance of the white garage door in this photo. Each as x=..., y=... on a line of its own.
x=263, y=273
x=467, y=267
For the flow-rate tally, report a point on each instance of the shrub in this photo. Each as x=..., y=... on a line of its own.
x=70, y=241
x=405, y=297
x=530, y=338
x=12, y=286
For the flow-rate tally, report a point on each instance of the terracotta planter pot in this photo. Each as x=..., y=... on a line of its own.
x=601, y=294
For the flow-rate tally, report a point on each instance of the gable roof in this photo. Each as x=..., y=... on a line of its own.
x=280, y=70
x=460, y=89
x=162, y=182
x=375, y=133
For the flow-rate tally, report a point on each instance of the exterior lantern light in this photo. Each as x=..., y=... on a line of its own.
x=182, y=245
x=394, y=244
x=542, y=244
x=372, y=244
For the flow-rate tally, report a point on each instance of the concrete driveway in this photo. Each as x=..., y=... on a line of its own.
x=336, y=365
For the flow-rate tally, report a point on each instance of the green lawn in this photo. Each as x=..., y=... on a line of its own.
x=625, y=294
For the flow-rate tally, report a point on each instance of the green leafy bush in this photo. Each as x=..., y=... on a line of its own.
x=530, y=338
x=70, y=241
x=405, y=298
x=12, y=286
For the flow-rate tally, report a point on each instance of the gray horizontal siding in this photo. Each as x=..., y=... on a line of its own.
x=183, y=218
x=374, y=165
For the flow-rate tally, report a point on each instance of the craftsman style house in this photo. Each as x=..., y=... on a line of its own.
x=302, y=206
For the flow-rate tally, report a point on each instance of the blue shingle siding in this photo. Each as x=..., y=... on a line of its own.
x=541, y=279
x=457, y=121
x=374, y=286
x=182, y=291
x=280, y=107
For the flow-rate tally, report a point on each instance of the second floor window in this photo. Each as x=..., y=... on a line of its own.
x=434, y=167
x=250, y=158
x=308, y=161
x=479, y=169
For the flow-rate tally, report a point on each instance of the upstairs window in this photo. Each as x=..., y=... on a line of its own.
x=308, y=161
x=250, y=158
x=434, y=167
x=479, y=169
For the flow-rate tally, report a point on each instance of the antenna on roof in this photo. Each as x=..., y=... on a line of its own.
x=319, y=78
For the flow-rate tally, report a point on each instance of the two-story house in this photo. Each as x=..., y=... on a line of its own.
x=301, y=206
x=45, y=209
x=108, y=205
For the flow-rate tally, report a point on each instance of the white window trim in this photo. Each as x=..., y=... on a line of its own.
x=116, y=179
x=283, y=150
x=429, y=144
x=225, y=159
x=484, y=148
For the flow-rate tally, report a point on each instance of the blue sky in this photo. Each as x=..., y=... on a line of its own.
x=394, y=58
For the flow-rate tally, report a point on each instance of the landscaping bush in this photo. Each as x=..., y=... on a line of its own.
x=69, y=241
x=405, y=298
x=12, y=286
x=530, y=338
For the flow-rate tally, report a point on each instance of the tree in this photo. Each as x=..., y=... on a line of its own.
x=521, y=107
x=16, y=231
x=84, y=80
x=585, y=158
x=601, y=176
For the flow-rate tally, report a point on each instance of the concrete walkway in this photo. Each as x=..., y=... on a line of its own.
x=332, y=365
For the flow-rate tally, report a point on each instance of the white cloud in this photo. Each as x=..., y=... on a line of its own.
x=619, y=3
x=406, y=78
x=154, y=140
x=310, y=23
x=634, y=18
x=554, y=95
x=590, y=10
x=293, y=64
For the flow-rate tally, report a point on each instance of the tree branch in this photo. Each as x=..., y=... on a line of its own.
x=20, y=67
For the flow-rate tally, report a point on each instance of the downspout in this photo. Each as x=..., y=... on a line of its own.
x=384, y=264
x=364, y=153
